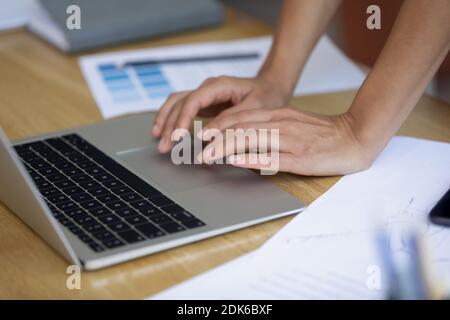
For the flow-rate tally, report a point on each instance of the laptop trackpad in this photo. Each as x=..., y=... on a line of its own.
x=160, y=170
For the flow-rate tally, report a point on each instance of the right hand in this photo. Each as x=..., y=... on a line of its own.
x=220, y=96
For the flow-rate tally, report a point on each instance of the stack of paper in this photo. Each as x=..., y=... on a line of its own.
x=328, y=251
x=144, y=87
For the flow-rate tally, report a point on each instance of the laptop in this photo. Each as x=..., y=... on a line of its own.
x=102, y=194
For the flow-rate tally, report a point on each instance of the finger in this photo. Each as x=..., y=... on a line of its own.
x=165, y=144
x=269, y=163
x=223, y=122
x=262, y=141
x=164, y=111
x=216, y=92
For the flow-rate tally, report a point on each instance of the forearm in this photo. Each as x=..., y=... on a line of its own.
x=417, y=45
x=301, y=24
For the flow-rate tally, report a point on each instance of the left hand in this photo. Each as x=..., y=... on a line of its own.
x=309, y=144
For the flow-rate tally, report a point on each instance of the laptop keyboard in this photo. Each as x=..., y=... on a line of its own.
x=104, y=204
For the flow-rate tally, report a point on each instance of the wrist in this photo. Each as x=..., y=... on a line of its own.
x=276, y=82
x=371, y=134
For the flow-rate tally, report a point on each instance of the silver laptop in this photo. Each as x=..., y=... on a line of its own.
x=102, y=194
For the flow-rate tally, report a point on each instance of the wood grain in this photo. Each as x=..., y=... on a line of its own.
x=42, y=90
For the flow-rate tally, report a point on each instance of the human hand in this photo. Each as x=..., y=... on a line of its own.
x=224, y=95
x=309, y=144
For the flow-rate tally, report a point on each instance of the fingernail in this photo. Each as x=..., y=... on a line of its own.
x=161, y=144
x=155, y=128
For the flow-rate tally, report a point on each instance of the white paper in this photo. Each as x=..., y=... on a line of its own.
x=327, y=70
x=328, y=251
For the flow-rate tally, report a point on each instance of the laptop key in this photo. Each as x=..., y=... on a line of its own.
x=121, y=190
x=149, y=230
x=119, y=226
x=93, y=171
x=104, y=177
x=162, y=218
x=113, y=243
x=98, y=191
x=39, y=164
x=47, y=171
x=100, y=211
x=131, y=236
x=57, y=198
x=56, y=178
x=70, y=191
x=95, y=247
x=85, y=220
x=49, y=192
x=53, y=158
x=94, y=228
x=116, y=205
x=89, y=185
x=63, y=165
x=161, y=201
x=103, y=235
x=112, y=183
x=136, y=220
x=75, y=212
x=85, y=238
x=37, y=146
x=172, y=208
x=86, y=164
x=171, y=227
x=72, y=172
x=182, y=215
x=64, y=206
x=126, y=212
x=90, y=204
x=43, y=184
x=80, y=197
x=82, y=178
x=192, y=223
x=130, y=197
x=107, y=197
x=140, y=204
x=66, y=222
x=76, y=157
x=65, y=184
x=60, y=145
x=30, y=157
x=109, y=219
x=77, y=230
x=149, y=211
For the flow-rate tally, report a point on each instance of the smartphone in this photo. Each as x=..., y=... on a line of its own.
x=440, y=214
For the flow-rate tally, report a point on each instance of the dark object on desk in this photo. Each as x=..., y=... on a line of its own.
x=440, y=214
x=229, y=57
x=107, y=22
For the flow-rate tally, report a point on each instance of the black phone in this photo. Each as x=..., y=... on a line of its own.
x=440, y=214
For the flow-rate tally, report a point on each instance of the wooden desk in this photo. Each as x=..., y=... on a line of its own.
x=42, y=90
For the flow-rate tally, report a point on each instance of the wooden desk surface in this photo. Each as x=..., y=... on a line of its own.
x=42, y=90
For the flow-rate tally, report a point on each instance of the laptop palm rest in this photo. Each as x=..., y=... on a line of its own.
x=161, y=170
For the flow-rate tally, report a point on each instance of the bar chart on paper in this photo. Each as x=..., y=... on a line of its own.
x=141, y=80
x=134, y=84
